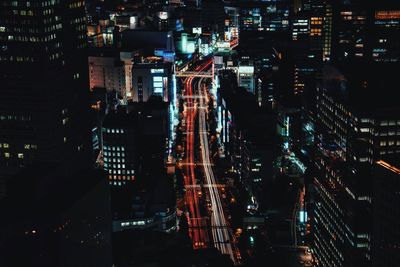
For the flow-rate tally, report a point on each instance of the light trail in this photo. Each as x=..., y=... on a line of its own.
x=197, y=231
x=219, y=226
x=221, y=234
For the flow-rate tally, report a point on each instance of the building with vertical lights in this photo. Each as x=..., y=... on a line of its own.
x=150, y=79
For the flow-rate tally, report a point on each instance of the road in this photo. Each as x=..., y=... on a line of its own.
x=217, y=226
x=198, y=231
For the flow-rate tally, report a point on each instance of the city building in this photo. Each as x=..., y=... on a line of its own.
x=246, y=77
x=146, y=40
x=263, y=51
x=386, y=236
x=56, y=214
x=119, y=143
x=272, y=16
x=112, y=70
x=386, y=40
x=150, y=79
x=300, y=26
x=248, y=136
x=135, y=148
x=364, y=29
x=44, y=84
x=350, y=136
x=123, y=133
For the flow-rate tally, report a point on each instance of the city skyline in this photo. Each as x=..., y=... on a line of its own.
x=199, y=133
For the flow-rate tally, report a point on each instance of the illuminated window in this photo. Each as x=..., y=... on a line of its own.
x=20, y=155
x=7, y=155
x=157, y=71
x=158, y=84
x=5, y=145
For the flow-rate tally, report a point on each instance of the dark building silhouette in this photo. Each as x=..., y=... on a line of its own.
x=43, y=84
x=53, y=216
x=357, y=124
x=386, y=215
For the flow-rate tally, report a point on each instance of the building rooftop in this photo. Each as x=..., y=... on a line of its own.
x=365, y=86
x=147, y=40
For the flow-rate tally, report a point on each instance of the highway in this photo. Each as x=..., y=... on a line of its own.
x=217, y=227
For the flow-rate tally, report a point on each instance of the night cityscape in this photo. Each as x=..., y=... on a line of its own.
x=194, y=133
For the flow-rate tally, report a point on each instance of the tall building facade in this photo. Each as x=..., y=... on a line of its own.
x=386, y=42
x=151, y=79
x=43, y=82
x=113, y=72
x=271, y=16
x=366, y=29
x=351, y=136
x=386, y=230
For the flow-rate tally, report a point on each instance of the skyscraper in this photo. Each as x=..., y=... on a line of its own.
x=351, y=136
x=386, y=233
x=43, y=82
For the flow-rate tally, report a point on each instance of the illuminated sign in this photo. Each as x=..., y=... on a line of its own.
x=190, y=48
x=303, y=216
x=157, y=70
x=246, y=69
x=197, y=30
x=132, y=22
x=390, y=14
x=162, y=15
x=223, y=45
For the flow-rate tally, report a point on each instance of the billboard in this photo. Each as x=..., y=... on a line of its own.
x=197, y=30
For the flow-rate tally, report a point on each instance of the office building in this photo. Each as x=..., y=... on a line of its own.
x=272, y=16
x=135, y=149
x=150, y=79
x=44, y=85
x=246, y=76
x=351, y=136
x=365, y=29
x=123, y=135
x=147, y=41
x=300, y=26
x=386, y=40
x=112, y=70
x=386, y=216
x=247, y=134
